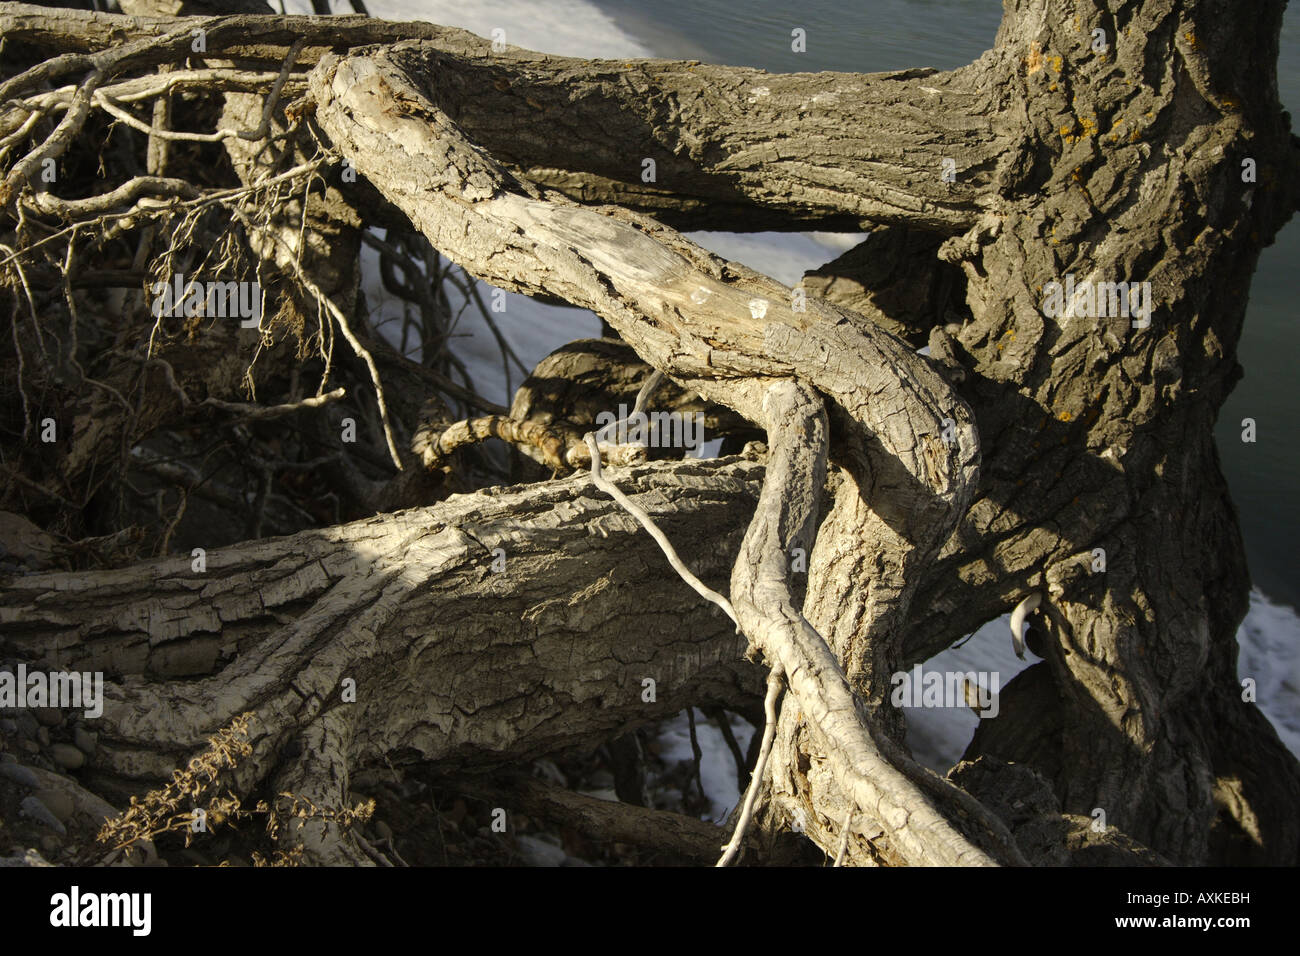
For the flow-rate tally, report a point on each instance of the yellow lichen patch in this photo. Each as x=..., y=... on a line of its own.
x=1087, y=127
x=1056, y=62
x=1064, y=416
x=1192, y=42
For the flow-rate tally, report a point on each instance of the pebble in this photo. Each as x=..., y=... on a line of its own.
x=31, y=858
x=539, y=853
x=19, y=775
x=26, y=725
x=58, y=802
x=31, y=746
x=67, y=756
x=31, y=807
x=49, y=716
x=85, y=740
x=43, y=736
x=9, y=726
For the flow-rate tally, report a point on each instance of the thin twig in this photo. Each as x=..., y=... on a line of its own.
x=274, y=96
x=247, y=412
x=156, y=208
x=719, y=717
x=607, y=486
x=844, y=839
x=775, y=681
x=696, y=753
x=256, y=412
x=342, y=321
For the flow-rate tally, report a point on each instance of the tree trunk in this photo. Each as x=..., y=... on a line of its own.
x=1064, y=452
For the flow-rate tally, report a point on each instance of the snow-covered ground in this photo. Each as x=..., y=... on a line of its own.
x=1270, y=654
x=562, y=27
x=1269, y=637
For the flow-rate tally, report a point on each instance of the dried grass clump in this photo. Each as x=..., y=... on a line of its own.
x=203, y=785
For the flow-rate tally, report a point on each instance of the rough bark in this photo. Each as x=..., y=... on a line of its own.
x=449, y=656
x=584, y=127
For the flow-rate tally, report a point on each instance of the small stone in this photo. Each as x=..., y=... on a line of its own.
x=8, y=726
x=58, y=802
x=31, y=858
x=43, y=736
x=85, y=741
x=33, y=808
x=26, y=725
x=50, y=844
x=30, y=746
x=383, y=830
x=67, y=756
x=19, y=775
x=536, y=852
x=49, y=716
